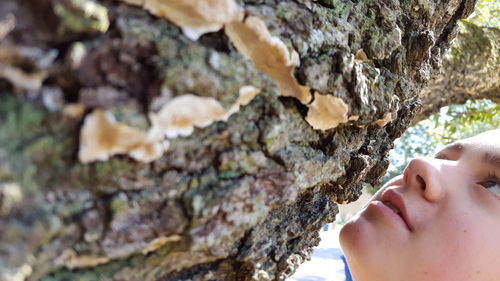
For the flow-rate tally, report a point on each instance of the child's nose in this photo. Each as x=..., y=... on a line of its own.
x=423, y=175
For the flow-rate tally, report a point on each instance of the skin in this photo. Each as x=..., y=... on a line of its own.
x=453, y=208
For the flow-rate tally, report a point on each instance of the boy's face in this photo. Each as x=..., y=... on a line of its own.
x=449, y=227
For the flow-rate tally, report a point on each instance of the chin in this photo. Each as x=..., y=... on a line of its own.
x=359, y=244
x=355, y=235
x=362, y=236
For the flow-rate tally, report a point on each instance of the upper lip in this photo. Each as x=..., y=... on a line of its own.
x=395, y=199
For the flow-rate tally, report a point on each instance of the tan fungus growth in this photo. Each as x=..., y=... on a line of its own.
x=246, y=94
x=326, y=112
x=252, y=38
x=102, y=137
x=385, y=119
x=13, y=56
x=21, y=79
x=269, y=54
x=159, y=242
x=183, y=113
x=361, y=56
x=74, y=110
x=71, y=260
x=195, y=17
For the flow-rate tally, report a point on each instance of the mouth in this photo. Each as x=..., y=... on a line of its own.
x=394, y=201
x=393, y=208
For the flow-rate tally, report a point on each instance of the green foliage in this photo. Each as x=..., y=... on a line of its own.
x=486, y=13
x=452, y=123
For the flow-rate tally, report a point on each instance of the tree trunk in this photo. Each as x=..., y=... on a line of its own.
x=239, y=198
x=471, y=70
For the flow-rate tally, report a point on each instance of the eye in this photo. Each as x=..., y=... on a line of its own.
x=492, y=183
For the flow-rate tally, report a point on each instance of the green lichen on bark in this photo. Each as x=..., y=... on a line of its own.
x=31, y=150
x=81, y=16
x=471, y=70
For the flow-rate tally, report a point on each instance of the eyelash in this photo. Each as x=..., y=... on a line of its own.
x=491, y=177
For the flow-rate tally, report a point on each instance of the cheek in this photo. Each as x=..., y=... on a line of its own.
x=461, y=240
x=457, y=229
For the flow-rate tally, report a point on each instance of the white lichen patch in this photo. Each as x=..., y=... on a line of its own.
x=81, y=16
x=7, y=25
x=194, y=17
x=20, y=273
x=76, y=54
x=269, y=54
x=12, y=196
x=326, y=112
x=102, y=137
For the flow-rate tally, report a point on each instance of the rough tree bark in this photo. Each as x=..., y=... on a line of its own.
x=471, y=70
x=241, y=199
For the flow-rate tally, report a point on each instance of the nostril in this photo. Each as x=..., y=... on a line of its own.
x=421, y=181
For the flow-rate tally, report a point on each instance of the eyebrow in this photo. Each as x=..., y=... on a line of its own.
x=492, y=159
x=488, y=158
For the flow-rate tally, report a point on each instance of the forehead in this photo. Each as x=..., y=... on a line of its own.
x=486, y=141
x=485, y=147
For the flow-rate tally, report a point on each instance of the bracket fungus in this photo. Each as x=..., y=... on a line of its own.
x=385, y=119
x=19, y=78
x=252, y=38
x=102, y=136
x=183, y=113
x=246, y=94
x=15, y=58
x=179, y=116
x=326, y=112
x=194, y=17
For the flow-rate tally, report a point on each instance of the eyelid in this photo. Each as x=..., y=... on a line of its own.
x=491, y=178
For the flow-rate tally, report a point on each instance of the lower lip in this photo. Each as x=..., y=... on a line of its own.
x=388, y=212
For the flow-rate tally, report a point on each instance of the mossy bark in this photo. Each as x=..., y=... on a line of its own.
x=471, y=70
x=237, y=200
